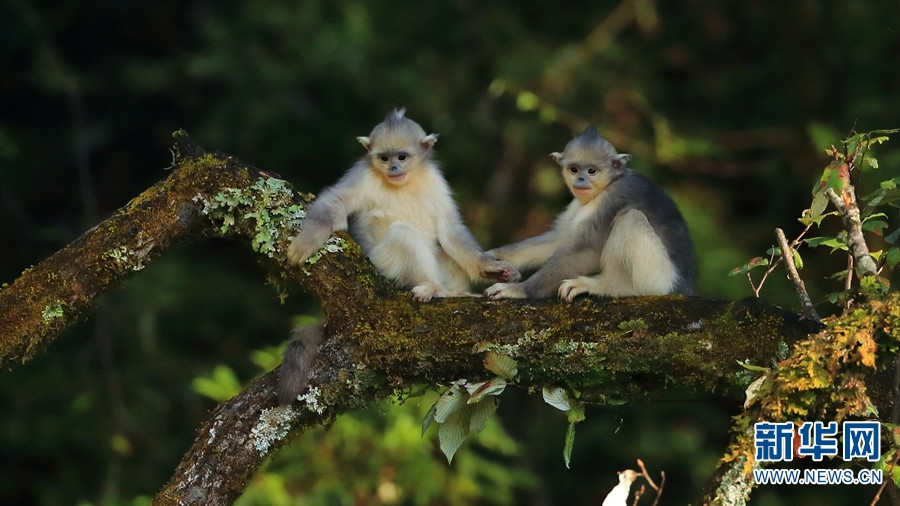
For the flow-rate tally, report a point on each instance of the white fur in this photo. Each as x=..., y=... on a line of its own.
x=634, y=262
x=409, y=227
x=399, y=229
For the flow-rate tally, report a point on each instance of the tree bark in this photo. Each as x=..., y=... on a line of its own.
x=379, y=338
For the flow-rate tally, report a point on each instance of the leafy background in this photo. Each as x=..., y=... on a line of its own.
x=727, y=105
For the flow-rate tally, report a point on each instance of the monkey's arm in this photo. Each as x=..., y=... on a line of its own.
x=568, y=261
x=327, y=214
x=457, y=241
x=529, y=253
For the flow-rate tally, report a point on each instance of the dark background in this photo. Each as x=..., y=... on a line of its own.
x=727, y=105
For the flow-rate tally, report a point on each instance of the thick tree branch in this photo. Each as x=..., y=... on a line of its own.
x=380, y=340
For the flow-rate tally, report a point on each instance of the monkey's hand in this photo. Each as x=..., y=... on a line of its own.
x=499, y=291
x=308, y=241
x=571, y=288
x=501, y=271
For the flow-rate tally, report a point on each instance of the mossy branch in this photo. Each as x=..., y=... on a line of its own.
x=380, y=339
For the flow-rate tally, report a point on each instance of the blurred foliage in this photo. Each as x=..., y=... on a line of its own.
x=727, y=105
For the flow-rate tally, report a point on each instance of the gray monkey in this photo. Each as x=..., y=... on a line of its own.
x=621, y=235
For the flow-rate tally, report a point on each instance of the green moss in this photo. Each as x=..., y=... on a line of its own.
x=633, y=325
x=52, y=312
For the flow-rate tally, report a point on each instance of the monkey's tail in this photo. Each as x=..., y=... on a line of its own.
x=299, y=358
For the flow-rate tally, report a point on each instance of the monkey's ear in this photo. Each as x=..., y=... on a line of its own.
x=623, y=158
x=556, y=156
x=428, y=141
x=366, y=142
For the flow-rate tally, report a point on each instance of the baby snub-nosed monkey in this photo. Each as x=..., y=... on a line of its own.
x=620, y=236
x=398, y=206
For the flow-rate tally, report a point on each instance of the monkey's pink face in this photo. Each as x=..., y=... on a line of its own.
x=393, y=165
x=588, y=174
x=585, y=181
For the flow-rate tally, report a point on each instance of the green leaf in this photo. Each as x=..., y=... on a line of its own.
x=220, y=386
x=751, y=367
x=752, y=264
x=576, y=414
x=429, y=418
x=819, y=203
x=808, y=218
x=875, y=226
x=570, y=443
x=451, y=402
x=501, y=365
x=833, y=242
x=527, y=101
x=479, y=391
x=892, y=258
x=885, y=464
x=451, y=434
x=821, y=134
x=557, y=397
x=481, y=412
x=892, y=238
x=798, y=261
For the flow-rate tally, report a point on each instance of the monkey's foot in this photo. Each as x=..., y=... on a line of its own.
x=501, y=271
x=505, y=291
x=427, y=291
x=571, y=288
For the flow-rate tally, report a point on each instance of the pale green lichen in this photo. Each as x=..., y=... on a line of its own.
x=127, y=259
x=269, y=203
x=568, y=347
x=734, y=489
x=274, y=424
x=334, y=244
x=311, y=399
x=52, y=312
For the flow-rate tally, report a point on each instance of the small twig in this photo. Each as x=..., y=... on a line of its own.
x=662, y=483
x=885, y=482
x=640, y=463
x=772, y=264
x=657, y=489
x=846, y=205
x=787, y=254
x=638, y=494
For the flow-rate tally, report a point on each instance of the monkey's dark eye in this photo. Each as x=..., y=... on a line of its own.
x=402, y=157
x=573, y=169
x=384, y=158
x=591, y=171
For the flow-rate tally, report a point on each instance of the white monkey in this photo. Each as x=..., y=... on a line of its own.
x=399, y=208
x=620, y=236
